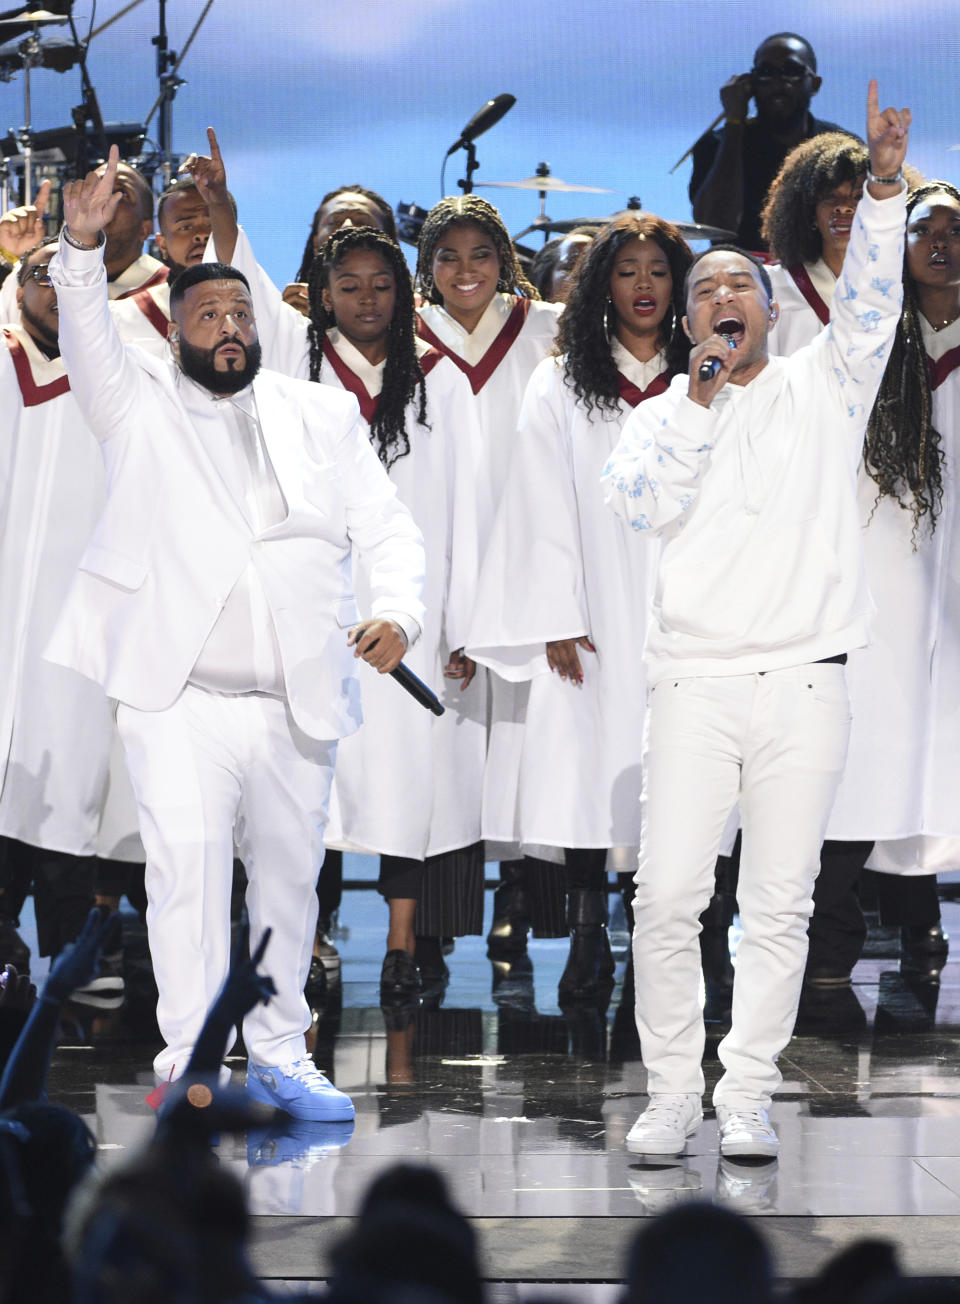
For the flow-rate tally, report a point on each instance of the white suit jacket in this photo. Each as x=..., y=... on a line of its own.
x=172, y=542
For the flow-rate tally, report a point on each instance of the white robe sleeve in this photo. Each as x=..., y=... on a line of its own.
x=283, y=331
x=531, y=585
x=459, y=424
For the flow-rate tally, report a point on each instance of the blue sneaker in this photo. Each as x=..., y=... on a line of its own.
x=300, y=1089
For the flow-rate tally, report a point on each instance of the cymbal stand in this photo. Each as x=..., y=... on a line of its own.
x=167, y=64
x=30, y=49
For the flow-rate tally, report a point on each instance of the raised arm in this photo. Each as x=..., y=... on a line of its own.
x=210, y=175
x=717, y=197
x=103, y=377
x=282, y=329
x=868, y=299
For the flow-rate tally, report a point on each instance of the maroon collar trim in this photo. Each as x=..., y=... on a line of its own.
x=480, y=373
x=158, y=278
x=806, y=287
x=351, y=382
x=152, y=311
x=33, y=394
x=942, y=367
x=633, y=394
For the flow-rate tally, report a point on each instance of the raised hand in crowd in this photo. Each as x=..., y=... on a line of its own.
x=244, y=988
x=887, y=136
x=210, y=175
x=90, y=203
x=77, y=964
x=22, y=228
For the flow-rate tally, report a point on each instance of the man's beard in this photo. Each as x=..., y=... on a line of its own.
x=198, y=364
x=43, y=335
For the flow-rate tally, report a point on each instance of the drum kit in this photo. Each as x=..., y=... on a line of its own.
x=28, y=157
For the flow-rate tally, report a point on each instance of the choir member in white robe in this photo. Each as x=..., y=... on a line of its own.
x=56, y=727
x=481, y=311
x=565, y=589
x=361, y=337
x=129, y=269
x=886, y=814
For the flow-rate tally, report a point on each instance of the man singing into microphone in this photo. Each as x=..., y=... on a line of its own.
x=747, y=469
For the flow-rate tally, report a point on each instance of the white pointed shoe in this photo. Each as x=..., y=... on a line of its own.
x=666, y=1123
x=746, y=1133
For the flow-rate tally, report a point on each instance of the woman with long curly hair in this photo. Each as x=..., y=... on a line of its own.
x=806, y=226
x=392, y=795
x=564, y=588
x=479, y=308
x=899, y=788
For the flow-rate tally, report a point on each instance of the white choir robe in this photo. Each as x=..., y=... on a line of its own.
x=58, y=753
x=903, y=766
x=142, y=318
x=560, y=565
x=408, y=783
x=498, y=358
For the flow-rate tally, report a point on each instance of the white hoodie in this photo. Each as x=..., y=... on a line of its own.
x=755, y=496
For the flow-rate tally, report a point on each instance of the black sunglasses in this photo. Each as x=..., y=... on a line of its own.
x=790, y=70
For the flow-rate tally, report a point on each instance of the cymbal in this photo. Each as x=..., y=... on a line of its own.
x=542, y=183
x=34, y=18
x=689, y=230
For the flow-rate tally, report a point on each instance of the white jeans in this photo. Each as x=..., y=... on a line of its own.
x=777, y=741
x=210, y=765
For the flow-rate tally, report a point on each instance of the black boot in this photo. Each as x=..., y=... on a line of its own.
x=923, y=950
x=588, y=975
x=511, y=913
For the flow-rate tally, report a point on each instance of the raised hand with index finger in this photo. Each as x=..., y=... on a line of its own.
x=89, y=204
x=208, y=171
x=887, y=135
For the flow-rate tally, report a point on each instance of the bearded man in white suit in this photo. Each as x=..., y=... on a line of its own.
x=213, y=603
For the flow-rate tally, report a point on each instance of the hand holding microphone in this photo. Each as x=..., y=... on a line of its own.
x=710, y=364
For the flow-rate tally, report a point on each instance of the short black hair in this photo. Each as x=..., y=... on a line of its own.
x=178, y=188
x=789, y=36
x=199, y=272
x=730, y=249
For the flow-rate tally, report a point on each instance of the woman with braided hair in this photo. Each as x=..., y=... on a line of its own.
x=361, y=336
x=900, y=785
x=480, y=309
x=564, y=587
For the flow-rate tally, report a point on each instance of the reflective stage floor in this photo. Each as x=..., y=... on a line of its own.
x=525, y=1109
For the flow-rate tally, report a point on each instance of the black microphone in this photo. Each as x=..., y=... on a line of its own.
x=417, y=689
x=484, y=119
x=709, y=368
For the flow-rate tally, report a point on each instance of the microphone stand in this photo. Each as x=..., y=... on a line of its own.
x=466, y=185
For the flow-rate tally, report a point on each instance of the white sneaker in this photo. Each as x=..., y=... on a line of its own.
x=665, y=1124
x=746, y=1132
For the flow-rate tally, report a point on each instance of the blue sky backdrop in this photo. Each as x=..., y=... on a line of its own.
x=306, y=94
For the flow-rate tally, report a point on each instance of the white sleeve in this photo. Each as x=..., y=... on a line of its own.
x=653, y=476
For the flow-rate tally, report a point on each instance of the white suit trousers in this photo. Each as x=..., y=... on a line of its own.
x=212, y=768
x=778, y=742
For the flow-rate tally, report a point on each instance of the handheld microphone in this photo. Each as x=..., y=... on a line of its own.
x=483, y=120
x=417, y=689
x=709, y=368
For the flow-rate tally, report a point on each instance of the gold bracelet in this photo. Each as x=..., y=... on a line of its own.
x=8, y=257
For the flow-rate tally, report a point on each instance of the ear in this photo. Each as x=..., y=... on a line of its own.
x=326, y=300
x=161, y=243
x=815, y=84
x=686, y=329
x=173, y=338
x=774, y=311
x=146, y=228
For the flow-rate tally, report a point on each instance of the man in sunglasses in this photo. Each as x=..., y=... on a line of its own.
x=734, y=165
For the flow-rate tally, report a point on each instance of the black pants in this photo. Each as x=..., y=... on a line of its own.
x=63, y=887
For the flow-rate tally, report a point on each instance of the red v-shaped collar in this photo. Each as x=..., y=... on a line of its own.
x=806, y=287
x=429, y=360
x=152, y=311
x=158, y=278
x=633, y=394
x=33, y=394
x=942, y=367
x=351, y=382
x=479, y=374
